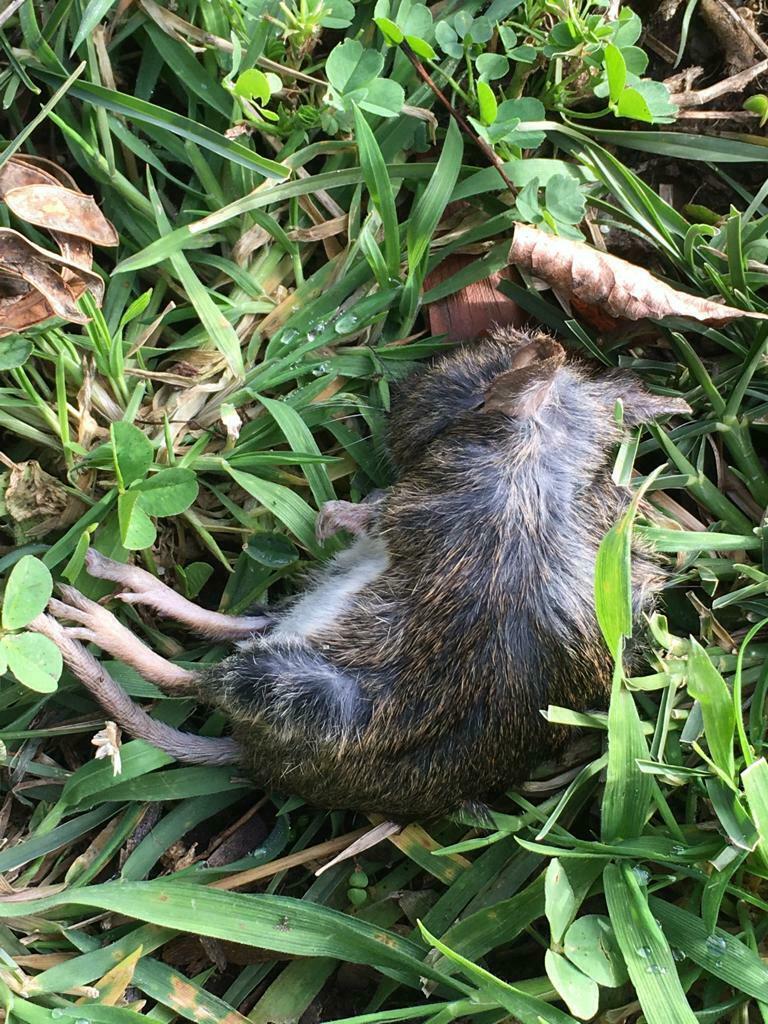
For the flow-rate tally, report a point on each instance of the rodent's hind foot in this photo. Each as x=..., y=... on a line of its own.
x=125, y=712
x=97, y=625
x=141, y=587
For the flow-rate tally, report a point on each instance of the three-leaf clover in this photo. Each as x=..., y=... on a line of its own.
x=560, y=208
x=353, y=80
x=168, y=492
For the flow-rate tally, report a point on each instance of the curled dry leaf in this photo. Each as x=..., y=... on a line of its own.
x=598, y=280
x=61, y=210
x=41, y=270
x=40, y=283
x=37, y=502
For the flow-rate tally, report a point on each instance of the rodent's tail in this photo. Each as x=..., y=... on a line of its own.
x=182, y=746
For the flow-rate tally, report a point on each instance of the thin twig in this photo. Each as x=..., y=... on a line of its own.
x=735, y=83
x=462, y=122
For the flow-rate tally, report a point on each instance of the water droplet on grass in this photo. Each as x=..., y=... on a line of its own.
x=346, y=323
x=716, y=945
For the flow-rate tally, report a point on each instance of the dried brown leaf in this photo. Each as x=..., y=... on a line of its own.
x=112, y=986
x=37, y=502
x=18, y=312
x=35, y=265
x=620, y=289
x=61, y=210
x=24, y=171
x=44, y=272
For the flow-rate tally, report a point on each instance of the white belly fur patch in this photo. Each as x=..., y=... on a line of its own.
x=331, y=593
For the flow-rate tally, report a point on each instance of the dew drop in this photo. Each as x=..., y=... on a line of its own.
x=346, y=323
x=288, y=336
x=643, y=877
x=678, y=850
x=645, y=952
x=678, y=955
x=716, y=945
x=656, y=969
x=57, y=1012
x=320, y=369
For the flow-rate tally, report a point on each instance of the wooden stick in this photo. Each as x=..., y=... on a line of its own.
x=462, y=122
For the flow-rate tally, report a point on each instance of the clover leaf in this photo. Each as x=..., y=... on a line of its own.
x=353, y=79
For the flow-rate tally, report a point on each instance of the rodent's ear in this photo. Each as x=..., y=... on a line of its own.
x=525, y=388
x=641, y=406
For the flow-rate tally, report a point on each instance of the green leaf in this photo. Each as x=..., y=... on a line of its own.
x=90, y=18
x=337, y=14
x=511, y=113
x=633, y=104
x=590, y=943
x=717, y=951
x=757, y=104
x=393, y=35
x=707, y=686
x=133, y=108
x=560, y=904
x=627, y=793
x=221, y=332
x=137, y=531
x=486, y=102
x=421, y=47
x=14, y=351
x=34, y=660
x=273, y=550
x=491, y=66
x=253, y=85
x=613, y=584
x=656, y=97
x=526, y=1009
x=132, y=452
x=380, y=190
x=645, y=949
x=616, y=70
x=383, y=97
x=195, y=576
x=287, y=506
x=527, y=202
x=447, y=39
x=580, y=993
x=755, y=782
x=564, y=199
x=168, y=493
x=266, y=921
x=351, y=66
x=435, y=197
x=27, y=592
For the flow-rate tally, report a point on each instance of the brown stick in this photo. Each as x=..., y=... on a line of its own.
x=462, y=122
x=735, y=83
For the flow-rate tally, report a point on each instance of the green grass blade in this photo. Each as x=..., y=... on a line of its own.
x=645, y=949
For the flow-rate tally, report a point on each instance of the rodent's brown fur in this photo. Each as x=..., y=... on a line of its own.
x=410, y=675
x=485, y=613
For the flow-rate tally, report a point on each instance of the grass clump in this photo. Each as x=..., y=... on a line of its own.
x=282, y=178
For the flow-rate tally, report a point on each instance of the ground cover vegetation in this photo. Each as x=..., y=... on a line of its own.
x=191, y=364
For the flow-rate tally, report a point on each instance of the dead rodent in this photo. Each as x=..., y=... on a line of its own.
x=408, y=677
